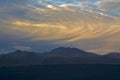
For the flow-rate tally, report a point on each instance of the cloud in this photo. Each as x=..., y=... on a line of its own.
x=108, y=47
x=65, y=30
x=47, y=23
x=110, y=6
x=23, y=48
x=52, y=7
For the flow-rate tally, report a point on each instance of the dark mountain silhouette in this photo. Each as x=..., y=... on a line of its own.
x=71, y=52
x=59, y=55
x=19, y=57
x=21, y=53
x=113, y=55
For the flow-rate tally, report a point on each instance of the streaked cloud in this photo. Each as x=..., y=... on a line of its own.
x=60, y=23
x=111, y=7
x=23, y=48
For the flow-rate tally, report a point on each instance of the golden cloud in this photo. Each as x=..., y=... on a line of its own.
x=66, y=31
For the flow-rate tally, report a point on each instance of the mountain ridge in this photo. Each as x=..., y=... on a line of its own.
x=60, y=55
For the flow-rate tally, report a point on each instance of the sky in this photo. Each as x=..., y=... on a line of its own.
x=42, y=25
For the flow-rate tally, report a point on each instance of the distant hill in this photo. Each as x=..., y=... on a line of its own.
x=61, y=55
x=113, y=55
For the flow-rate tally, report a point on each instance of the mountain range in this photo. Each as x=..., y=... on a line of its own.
x=60, y=55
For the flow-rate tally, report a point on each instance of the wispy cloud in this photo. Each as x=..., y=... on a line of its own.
x=23, y=48
x=60, y=23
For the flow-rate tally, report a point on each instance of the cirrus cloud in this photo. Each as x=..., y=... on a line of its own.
x=77, y=23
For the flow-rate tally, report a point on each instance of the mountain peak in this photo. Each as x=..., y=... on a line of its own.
x=20, y=52
x=67, y=51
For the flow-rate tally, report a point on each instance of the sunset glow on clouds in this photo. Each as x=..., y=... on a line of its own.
x=92, y=25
